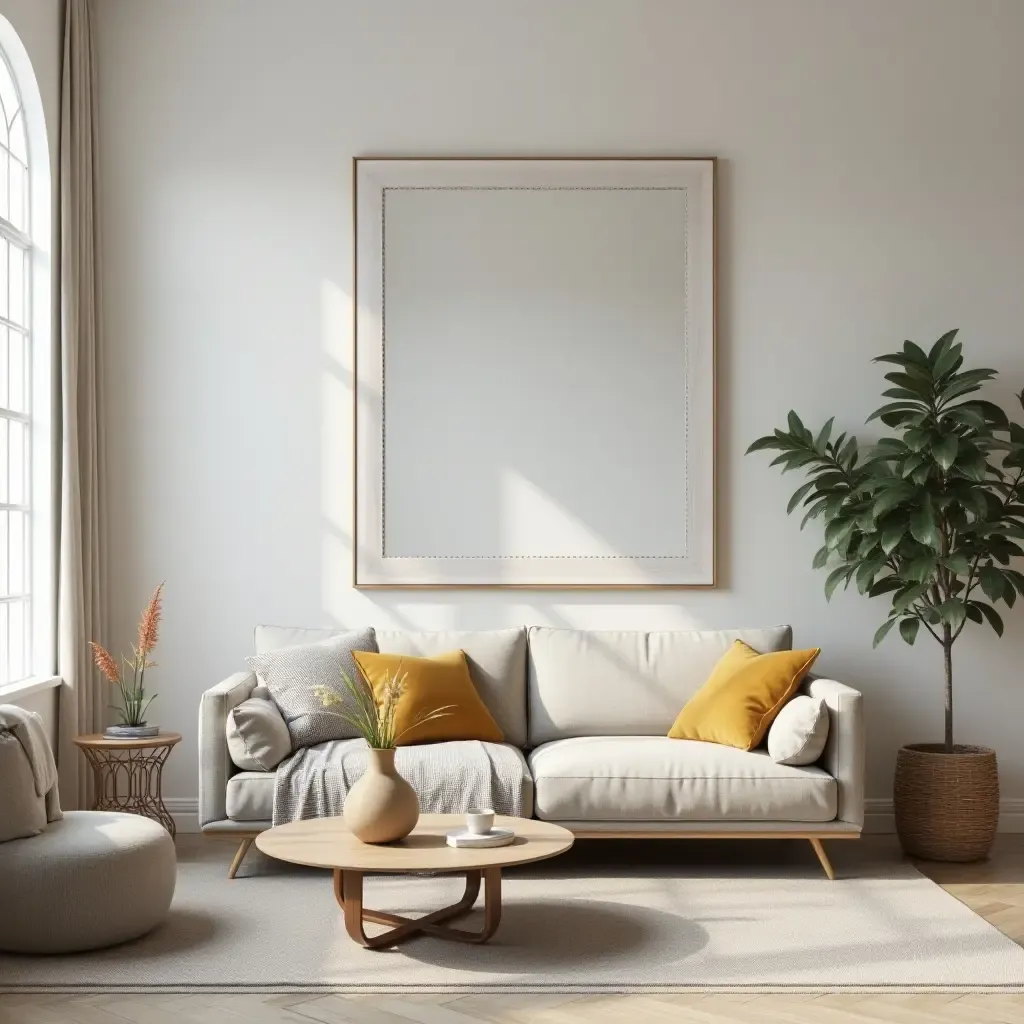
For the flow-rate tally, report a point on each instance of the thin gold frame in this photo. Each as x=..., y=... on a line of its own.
x=714, y=384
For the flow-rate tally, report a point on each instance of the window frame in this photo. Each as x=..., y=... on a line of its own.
x=41, y=489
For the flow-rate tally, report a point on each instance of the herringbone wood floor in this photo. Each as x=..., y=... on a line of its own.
x=994, y=889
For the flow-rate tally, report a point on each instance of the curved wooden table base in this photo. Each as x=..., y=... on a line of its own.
x=348, y=890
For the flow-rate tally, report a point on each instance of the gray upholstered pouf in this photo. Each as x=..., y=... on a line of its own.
x=93, y=879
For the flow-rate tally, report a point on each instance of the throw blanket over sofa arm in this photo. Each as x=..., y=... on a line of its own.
x=844, y=756
x=215, y=767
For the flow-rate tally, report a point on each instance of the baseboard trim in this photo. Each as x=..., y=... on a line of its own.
x=878, y=816
x=185, y=812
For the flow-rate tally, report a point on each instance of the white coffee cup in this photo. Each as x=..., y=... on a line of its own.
x=479, y=821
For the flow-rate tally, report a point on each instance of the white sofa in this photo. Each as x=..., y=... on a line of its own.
x=590, y=710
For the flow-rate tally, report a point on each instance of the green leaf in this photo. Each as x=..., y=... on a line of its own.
x=992, y=413
x=885, y=585
x=1016, y=578
x=868, y=571
x=912, y=464
x=796, y=427
x=764, y=442
x=839, y=530
x=892, y=535
x=813, y=512
x=882, y=631
x=944, y=451
x=849, y=449
x=917, y=439
x=904, y=598
x=992, y=582
x=797, y=495
x=837, y=576
x=795, y=460
x=915, y=352
x=923, y=527
x=892, y=407
x=894, y=357
x=966, y=415
x=823, y=435
x=992, y=615
x=820, y=558
x=947, y=360
x=952, y=612
x=920, y=569
x=912, y=383
x=909, y=628
x=956, y=389
x=891, y=497
x=941, y=346
x=957, y=562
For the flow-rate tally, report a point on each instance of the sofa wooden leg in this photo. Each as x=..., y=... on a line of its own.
x=243, y=849
x=823, y=857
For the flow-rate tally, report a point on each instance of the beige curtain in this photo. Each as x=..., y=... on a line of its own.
x=81, y=589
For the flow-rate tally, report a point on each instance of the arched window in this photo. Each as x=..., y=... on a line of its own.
x=26, y=491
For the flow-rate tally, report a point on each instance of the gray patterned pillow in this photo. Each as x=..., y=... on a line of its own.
x=292, y=674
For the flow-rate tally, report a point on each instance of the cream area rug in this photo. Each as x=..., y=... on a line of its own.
x=568, y=925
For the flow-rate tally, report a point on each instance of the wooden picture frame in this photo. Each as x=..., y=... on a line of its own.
x=534, y=372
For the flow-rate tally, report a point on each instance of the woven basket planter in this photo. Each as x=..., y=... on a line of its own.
x=947, y=805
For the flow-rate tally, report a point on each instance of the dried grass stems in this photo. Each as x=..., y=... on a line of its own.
x=134, y=703
x=373, y=713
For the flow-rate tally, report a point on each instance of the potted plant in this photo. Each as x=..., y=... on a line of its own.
x=381, y=807
x=131, y=684
x=930, y=517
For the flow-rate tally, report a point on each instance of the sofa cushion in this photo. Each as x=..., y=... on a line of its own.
x=604, y=683
x=250, y=796
x=437, y=700
x=742, y=696
x=257, y=735
x=654, y=778
x=296, y=675
x=496, y=657
x=800, y=731
x=497, y=666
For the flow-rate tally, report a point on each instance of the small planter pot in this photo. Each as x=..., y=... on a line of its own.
x=381, y=807
x=132, y=732
x=946, y=805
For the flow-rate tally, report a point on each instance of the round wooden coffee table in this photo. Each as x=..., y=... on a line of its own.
x=327, y=843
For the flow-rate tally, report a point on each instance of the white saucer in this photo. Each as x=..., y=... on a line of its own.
x=480, y=840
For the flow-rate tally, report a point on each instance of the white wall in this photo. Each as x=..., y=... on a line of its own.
x=871, y=191
x=38, y=24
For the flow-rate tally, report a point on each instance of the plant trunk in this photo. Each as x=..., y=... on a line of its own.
x=947, y=656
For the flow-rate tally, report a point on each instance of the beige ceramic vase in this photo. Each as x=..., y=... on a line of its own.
x=381, y=807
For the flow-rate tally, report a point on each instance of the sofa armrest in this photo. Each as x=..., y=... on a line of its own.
x=215, y=767
x=843, y=757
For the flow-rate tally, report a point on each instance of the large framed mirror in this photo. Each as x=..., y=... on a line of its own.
x=534, y=372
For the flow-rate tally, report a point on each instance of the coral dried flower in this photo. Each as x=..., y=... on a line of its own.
x=149, y=624
x=105, y=662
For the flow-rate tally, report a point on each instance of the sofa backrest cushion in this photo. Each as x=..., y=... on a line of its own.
x=496, y=657
x=623, y=683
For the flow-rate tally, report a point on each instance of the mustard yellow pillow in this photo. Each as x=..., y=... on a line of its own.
x=429, y=684
x=742, y=696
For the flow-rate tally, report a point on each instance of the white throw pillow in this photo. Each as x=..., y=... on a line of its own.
x=799, y=732
x=294, y=674
x=257, y=735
